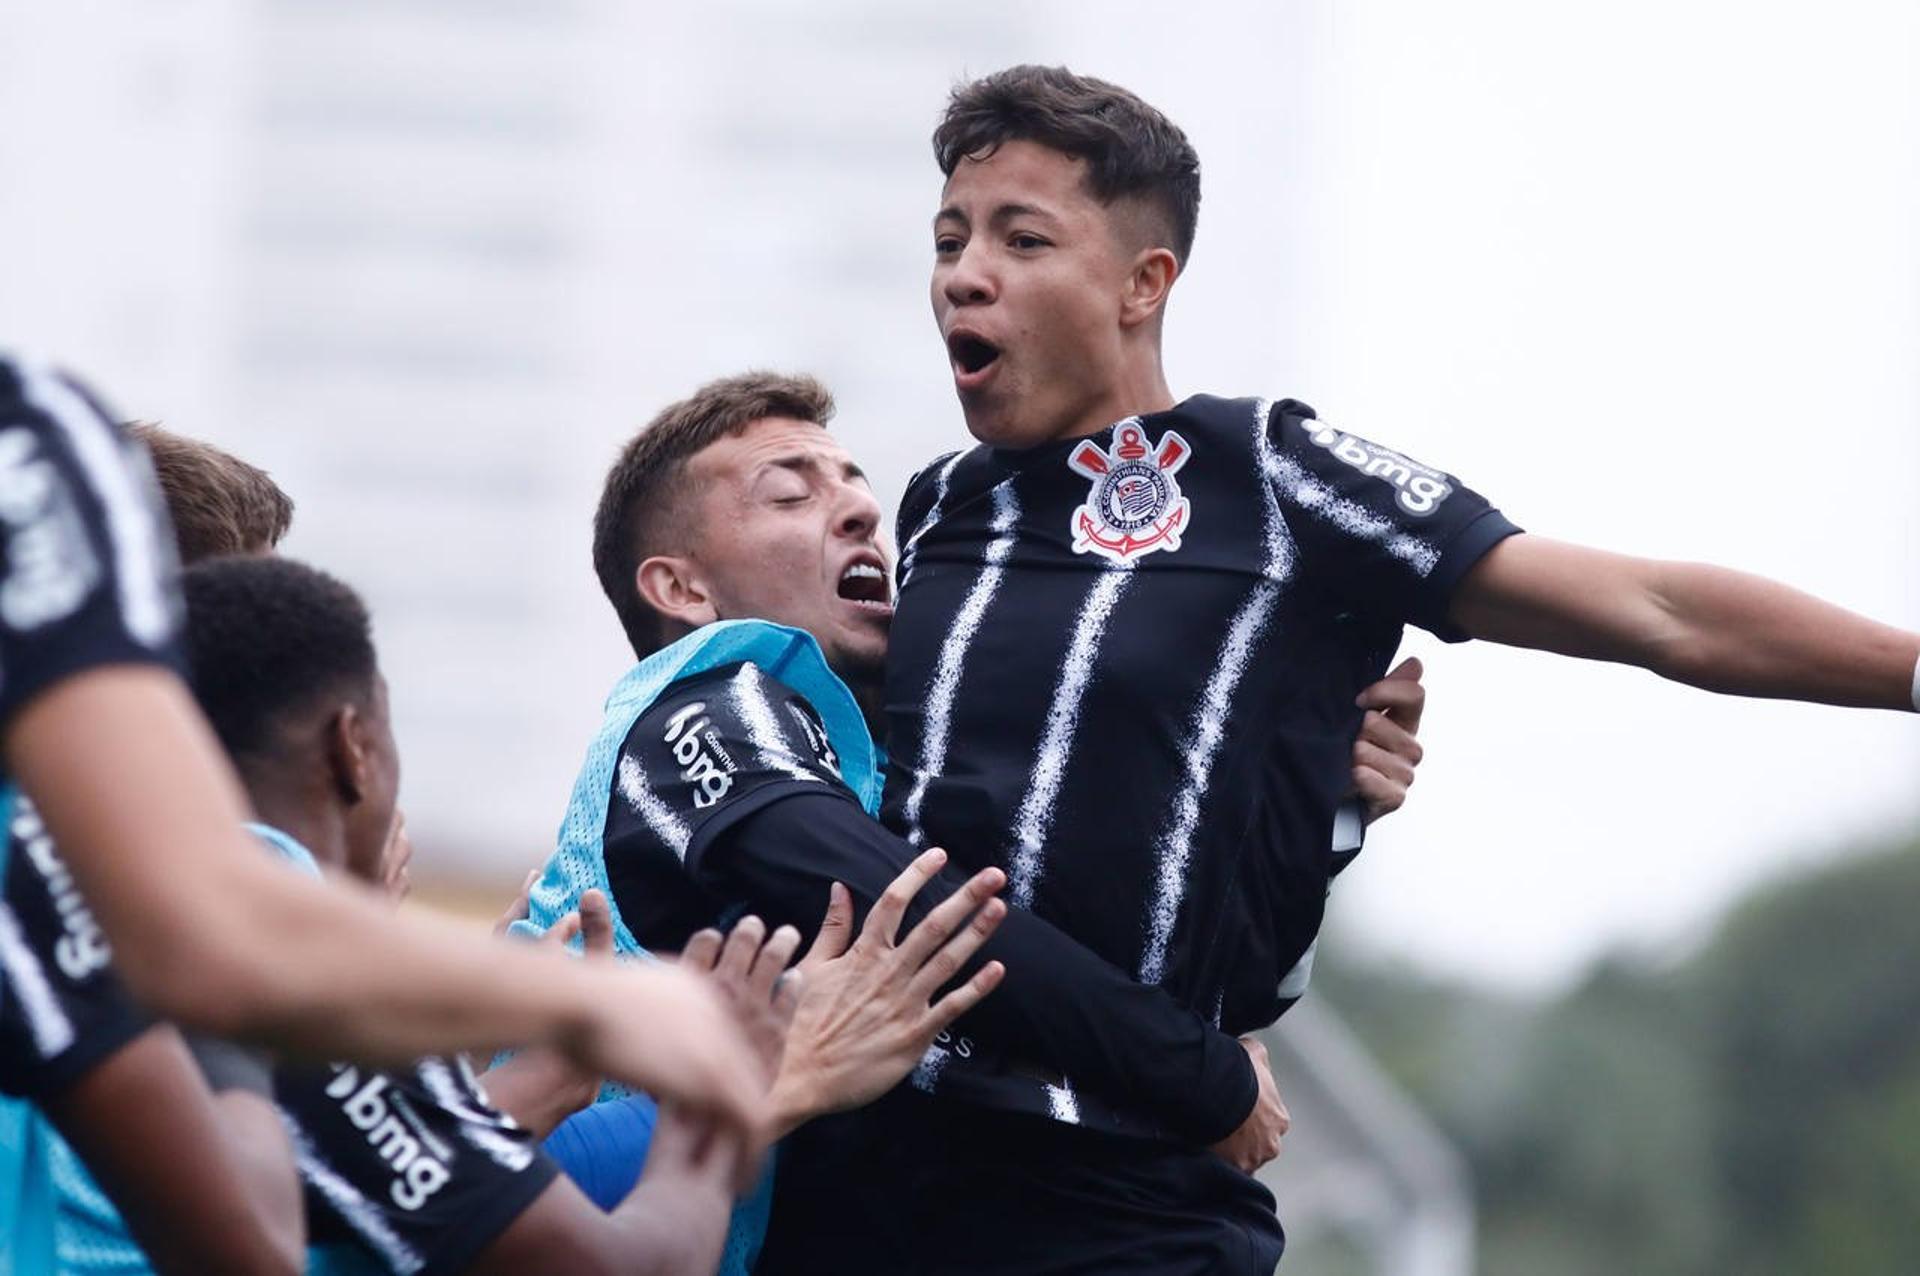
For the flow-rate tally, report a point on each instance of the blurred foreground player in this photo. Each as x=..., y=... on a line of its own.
x=125, y=777
x=1132, y=631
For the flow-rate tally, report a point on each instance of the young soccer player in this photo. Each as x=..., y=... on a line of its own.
x=739, y=545
x=1131, y=631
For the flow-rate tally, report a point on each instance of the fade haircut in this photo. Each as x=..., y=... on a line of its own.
x=218, y=503
x=1133, y=153
x=267, y=637
x=647, y=488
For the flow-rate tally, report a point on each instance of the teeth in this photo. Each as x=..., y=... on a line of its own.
x=863, y=571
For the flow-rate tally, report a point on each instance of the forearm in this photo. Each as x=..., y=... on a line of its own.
x=539, y=1089
x=1060, y=1006
x=1710, y=627
x=210, y=931
x=674, y=1222
x=1744, y=635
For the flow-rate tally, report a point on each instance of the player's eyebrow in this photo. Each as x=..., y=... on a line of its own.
x=807, y=464
x=1000, y=216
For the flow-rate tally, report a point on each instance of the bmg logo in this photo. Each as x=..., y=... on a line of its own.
x=1419, y=490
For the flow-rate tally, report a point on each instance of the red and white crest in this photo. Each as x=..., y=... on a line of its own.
x=1135, y=506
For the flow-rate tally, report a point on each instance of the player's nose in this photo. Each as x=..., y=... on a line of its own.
x=858, y=516
x=969, y=279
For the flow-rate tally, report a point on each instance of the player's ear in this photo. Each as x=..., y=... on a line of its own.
x=1148, y=282
x=348, y=750
x=676, y=587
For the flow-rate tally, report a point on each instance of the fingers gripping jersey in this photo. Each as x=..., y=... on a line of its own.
x=1123, y=668
x=414, y=1168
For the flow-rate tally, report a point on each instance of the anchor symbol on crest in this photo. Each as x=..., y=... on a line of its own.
x=1135, y=505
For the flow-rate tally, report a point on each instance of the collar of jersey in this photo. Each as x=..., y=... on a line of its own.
x=792, y=656
x=288, y=849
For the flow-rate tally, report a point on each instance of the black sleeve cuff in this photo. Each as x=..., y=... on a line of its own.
x=732, y=813
x=1468, y=547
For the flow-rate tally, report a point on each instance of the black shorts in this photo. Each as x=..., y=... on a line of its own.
x=922, y=1187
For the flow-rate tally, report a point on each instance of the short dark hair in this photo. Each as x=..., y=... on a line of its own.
x=268, y=636
x=219, y=504
x=1132, y=151
x=645, y=486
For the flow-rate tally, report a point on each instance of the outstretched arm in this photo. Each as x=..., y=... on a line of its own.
x=1706, y=626
x=130, y=782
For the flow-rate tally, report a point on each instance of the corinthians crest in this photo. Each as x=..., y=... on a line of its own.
x=1135, y=506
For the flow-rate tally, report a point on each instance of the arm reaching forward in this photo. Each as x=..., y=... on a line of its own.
x=1706, y=626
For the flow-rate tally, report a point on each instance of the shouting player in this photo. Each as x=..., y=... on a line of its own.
x=740, y=547
x=1130, y=634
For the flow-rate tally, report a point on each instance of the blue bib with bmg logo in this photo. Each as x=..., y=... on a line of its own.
x=578, y=863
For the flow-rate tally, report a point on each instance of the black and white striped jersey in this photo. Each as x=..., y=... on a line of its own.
x=65, y=1009
x=86, y=580
x=1124, y=668
x=415, y=1166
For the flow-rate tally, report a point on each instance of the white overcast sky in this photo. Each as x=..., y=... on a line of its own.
x=1646, y=274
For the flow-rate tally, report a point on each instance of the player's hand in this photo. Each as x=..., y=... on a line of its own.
x=867, y=1009
x=520, y=908
x=1257, y=1141
x=674, y=1034
x=1386, y=753
x=749, y=967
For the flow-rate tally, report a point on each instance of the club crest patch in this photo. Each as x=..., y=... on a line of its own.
x=1135, y=506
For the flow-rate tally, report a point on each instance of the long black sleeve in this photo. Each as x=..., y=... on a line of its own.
x=1060, y=1006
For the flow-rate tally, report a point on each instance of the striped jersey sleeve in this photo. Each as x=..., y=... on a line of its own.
x=1377, y=530
x=86, y=556
x=64, y=1009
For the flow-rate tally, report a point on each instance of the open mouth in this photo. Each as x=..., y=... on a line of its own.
x=865, y=583
x=971, y=355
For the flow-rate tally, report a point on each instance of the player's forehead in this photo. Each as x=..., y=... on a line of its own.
x=780, y=443
x=1018, y=177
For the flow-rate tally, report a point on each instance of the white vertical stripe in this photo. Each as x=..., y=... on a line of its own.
x=1034, y=820
x=139, y=560
x=27, y=980
x=648, y=806
x=748, y=691
x=926, y=1073
x=953, y=656
x=1208, y=726
x=366, y=1219
x=1174, y=847
x=1063, y=1104
x=909, y=550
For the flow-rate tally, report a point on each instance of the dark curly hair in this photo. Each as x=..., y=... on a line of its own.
x=269, y=636
x=1132, y=151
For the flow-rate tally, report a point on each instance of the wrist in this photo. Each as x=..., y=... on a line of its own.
x=793, y=1098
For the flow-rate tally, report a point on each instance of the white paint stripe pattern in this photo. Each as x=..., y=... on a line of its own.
x=1063, y=1104
x=27, y=980
x=910, y=550
x=478, y=1126
x=748, y=691
x=926, y=1073
x=938, y=724
x=131, y=521
x=1352, y=518
x=362, y=1215
x=1034, y=820
x=1207, y=730
x=647, y=804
